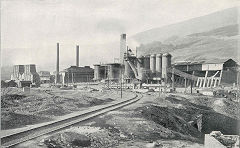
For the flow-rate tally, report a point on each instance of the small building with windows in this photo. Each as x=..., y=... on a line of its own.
x=44, y=76
x=75, y=74
x=25, y=73
x=107, y=71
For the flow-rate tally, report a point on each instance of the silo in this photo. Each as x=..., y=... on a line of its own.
x=153, y=63
x=96, y=72
x=110, y=71
x=166, y=63
x=146, y=62
x=159, y=65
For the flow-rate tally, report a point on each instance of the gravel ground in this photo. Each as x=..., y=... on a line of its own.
x=40, y=105
x=151, y=122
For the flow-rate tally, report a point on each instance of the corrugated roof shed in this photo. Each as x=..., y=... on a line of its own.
x=210, y=61
x=76, y=69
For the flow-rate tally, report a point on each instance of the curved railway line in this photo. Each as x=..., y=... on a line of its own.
x=22, y=136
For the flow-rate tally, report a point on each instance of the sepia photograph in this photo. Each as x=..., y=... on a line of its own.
x=120, y=73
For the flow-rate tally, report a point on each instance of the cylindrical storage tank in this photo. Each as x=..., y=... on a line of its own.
x=153, y=63
x=166, y=63
x=96, y=72
x=159, y=65
x=110, y=71
x=127, y=70
x=146, y=62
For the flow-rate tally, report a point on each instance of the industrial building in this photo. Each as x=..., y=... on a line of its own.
x=158, y=69
x=45, y=76
x=26, y=73
x=208, y=73
x=109, y=71
x=148, y=68
x=75, y=74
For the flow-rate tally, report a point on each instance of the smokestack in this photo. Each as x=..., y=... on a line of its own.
x=123, y=40
x=57, y=66
x=77, y=56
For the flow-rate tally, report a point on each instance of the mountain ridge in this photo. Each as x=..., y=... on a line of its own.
x=195, y=25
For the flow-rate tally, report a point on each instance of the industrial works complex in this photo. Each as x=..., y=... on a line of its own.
x=166, y=109
x=145, y=69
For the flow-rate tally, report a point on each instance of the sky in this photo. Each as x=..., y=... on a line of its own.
x=30, y=29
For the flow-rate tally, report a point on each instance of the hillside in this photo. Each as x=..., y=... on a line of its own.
x=200, y=24
x=217, y=38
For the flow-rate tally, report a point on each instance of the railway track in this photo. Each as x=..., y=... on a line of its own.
x=19, y=137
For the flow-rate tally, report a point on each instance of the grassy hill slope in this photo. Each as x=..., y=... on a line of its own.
x=200, y=24
x=217, y=40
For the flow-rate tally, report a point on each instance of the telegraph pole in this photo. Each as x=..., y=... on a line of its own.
x=121, y=83
x=191, y=85
x=165, y=81
x=72, y=78
x=159, y=88
x=237, y=69
x=173, y=79
x=185, y=84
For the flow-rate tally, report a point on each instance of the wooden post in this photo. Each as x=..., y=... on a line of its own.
x=200, y=85
x=72, y=77
x=237, y=84
x=220, y=78
x=191, y=86
x=212, y=78
x=173, y=79
x=215, y=82
x=159, y=90
x=165, y=79
x=185, y=85
x=87, y=82
x=108, y=82
x=197, y=82
x=211, y=82
x=192, y=81
x=67, y=78
x=208, y=81
x=121, y=83
x=205, y=79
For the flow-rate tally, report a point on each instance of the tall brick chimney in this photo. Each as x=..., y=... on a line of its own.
x=123, y=42
x=57, y=66
x=77, y=55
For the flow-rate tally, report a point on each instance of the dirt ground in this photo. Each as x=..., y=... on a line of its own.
x=151, y=122
x=19, y=108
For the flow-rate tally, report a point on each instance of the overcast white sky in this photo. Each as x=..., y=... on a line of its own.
x=30, y=29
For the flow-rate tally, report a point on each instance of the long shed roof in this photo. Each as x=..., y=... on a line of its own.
x=211, y=61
